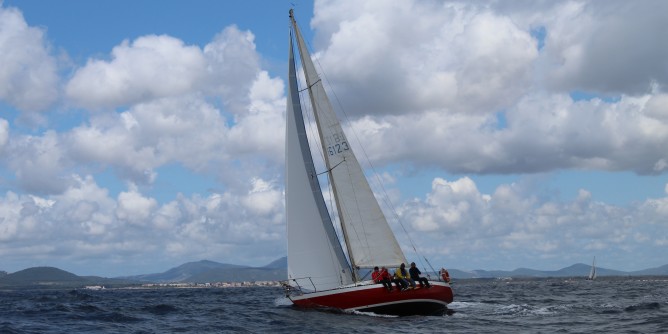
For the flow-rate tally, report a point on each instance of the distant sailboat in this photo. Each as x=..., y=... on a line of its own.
x=592, y=273
x=320, y=274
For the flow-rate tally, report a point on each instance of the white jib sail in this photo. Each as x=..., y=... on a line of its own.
x=369, y=239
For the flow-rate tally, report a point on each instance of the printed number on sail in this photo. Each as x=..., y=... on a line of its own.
x=338, y=144
x=338, y=148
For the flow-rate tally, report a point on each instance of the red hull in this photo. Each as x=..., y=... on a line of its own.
x=375, y=298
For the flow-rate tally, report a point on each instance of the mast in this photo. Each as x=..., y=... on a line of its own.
x=315, y=257
x=305, y=59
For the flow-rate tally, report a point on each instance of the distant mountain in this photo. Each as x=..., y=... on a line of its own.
x=40, y=275
x=658, y=271
x=578, y=269
x=53, y=277
x=184, y=272
x=210, y=271
x=278, y=264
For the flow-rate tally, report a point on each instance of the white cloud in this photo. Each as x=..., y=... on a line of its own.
x=461, y=87
x=455, y=57
x=232, y=66
x=608, y=46
x=38, y=162
x=135, y=208
x=153, y=67
x=150, y=67
x=28, y=75
x=476, y=231
x=85, y=220
x=469, y=81
x=263, y=199
x=261, y=129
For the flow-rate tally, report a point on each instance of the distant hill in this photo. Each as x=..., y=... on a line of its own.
x=278, y=264
x=52, y=277
x=578, y=269
x=40, y=275
x=210, y=271
x=184, y=272
x=658, y=271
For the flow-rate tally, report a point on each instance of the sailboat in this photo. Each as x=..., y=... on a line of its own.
x=320, y=273
x=592, y=273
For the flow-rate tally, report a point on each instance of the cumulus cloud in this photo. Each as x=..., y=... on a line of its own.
x=86, y=220
x=232, y=66
x=134, y=208
x=469, y=229
x=464, y=87
x=28, y=75
x=607, y=47
x=153, y=67
x=170, y=117
x=455, y=57
x=150, y=67
x=38, y=162
x=476, y=84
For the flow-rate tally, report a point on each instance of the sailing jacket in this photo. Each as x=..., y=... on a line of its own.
x=401, y=273
x=415, y=273
x=379, y=276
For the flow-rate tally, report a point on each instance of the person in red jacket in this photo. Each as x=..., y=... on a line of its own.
x=382, y=277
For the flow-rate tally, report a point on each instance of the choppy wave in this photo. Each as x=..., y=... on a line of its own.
x=479, y=307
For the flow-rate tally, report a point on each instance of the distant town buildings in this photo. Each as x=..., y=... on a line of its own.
x=213, y=285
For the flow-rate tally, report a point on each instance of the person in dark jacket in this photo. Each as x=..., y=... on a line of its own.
x=415, y=275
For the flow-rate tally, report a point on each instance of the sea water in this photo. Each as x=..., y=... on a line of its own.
x=628, y=305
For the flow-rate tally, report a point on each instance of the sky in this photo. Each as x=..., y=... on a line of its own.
x=136, y=136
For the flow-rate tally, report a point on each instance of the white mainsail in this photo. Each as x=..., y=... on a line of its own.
x=367, y=235
x=315, y=258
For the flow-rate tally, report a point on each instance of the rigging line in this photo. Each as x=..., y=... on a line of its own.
x=309, y=87
x=347, y=215
x=430, y=266
x=359, y=214
x=366, y=156
x=322, y=73
x=310, y=114
x=331, y=169
x=307, y=113
x=340, y=214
